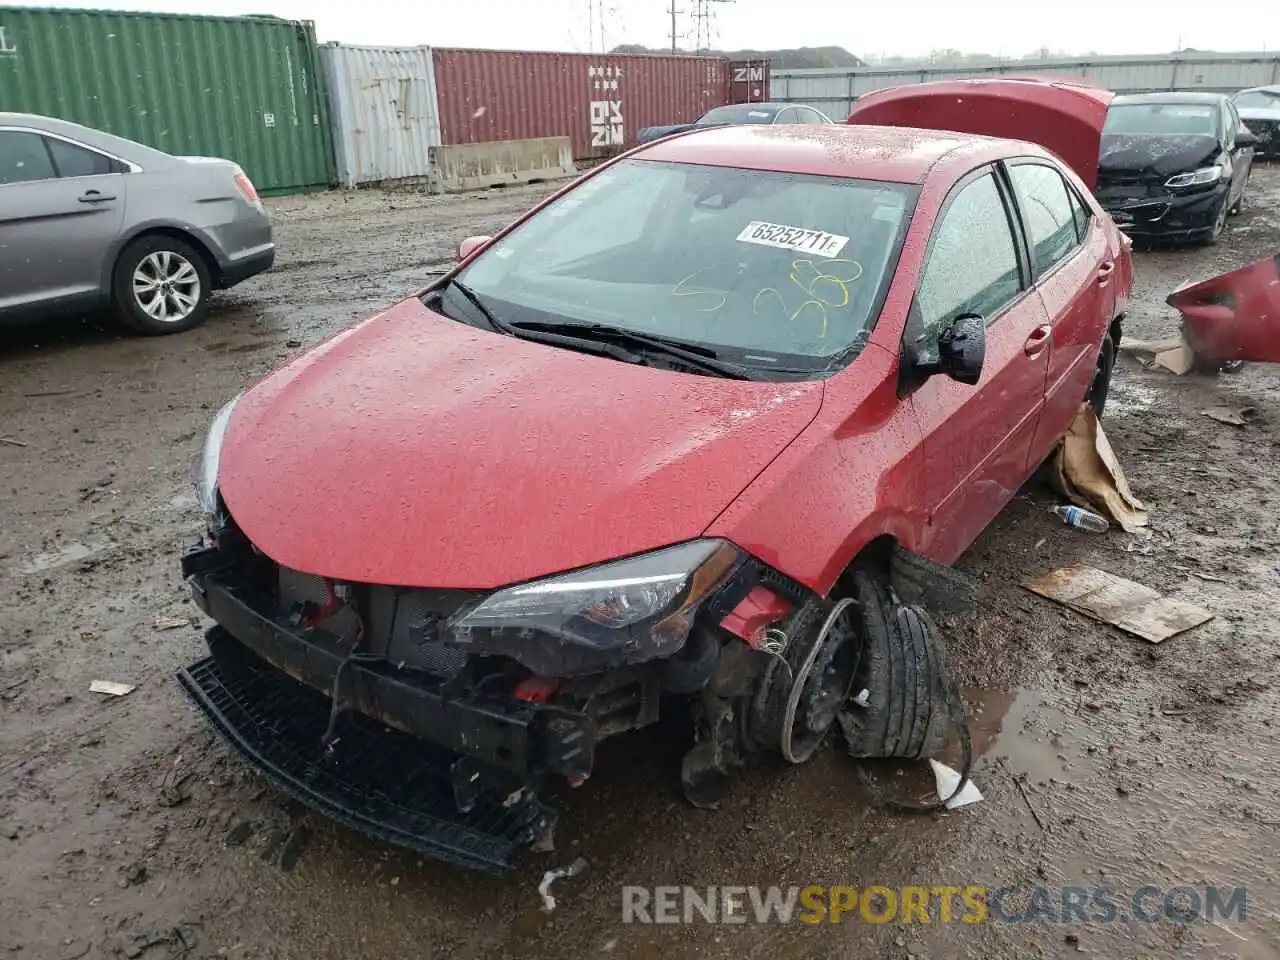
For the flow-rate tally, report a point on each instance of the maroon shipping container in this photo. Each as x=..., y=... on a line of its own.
x=749, y=81
x=599, y=101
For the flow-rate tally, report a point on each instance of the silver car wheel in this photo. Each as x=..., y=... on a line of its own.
x=166, y=286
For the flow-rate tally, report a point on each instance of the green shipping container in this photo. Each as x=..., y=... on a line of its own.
x=244, y=88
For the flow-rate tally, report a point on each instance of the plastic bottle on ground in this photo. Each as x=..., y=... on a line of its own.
x=1084, y=519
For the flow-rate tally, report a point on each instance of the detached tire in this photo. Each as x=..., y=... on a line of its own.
x=160, y=285
x=903, y=670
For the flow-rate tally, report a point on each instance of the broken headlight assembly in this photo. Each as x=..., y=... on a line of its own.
x=625, y=611
x=206, y=473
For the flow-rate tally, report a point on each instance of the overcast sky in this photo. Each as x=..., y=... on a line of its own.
x=1006, y=27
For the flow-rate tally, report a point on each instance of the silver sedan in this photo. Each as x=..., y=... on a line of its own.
x=90, y=220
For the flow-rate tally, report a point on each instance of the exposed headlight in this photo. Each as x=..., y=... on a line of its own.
x=207, y=467
x=627, y=611
x=1196, y=178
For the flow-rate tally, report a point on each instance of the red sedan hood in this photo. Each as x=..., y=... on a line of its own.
x=1061, y=115
x=415, y=451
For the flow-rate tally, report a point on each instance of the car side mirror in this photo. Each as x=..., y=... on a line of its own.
x=1246, y=138
x=961, y=351
x=470, y=245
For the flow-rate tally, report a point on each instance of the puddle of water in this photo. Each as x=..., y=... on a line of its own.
x=70, y=553
x=1129, y=397
x=1017, y=729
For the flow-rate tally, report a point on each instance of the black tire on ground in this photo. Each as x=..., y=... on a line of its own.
x=919, y=581
x=173, y=254
x=903, y=670
x=1101, y=385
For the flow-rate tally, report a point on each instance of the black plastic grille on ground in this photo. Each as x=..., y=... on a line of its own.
x=379, y=781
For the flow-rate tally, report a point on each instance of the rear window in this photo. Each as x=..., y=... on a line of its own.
x=762, y=266
x=1162, y=119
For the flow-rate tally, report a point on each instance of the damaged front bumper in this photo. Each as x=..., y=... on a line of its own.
x=386, y=784
x=418, y=760
x=1165, y=215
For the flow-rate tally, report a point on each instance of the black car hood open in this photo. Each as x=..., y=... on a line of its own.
x=1130, y=155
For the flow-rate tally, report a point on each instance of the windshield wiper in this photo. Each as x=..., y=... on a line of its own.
x=552, y=337
x=704, y=358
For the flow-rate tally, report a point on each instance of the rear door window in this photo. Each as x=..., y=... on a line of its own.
x=24, y=158
x=1083, y=215
x=1051, y=221
x=973, y=263
x=76, y=161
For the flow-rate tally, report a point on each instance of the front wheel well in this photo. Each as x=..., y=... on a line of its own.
x=876, y=556
x=1115, y=330
x=190, y=239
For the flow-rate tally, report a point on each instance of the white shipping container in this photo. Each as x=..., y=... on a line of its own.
x=383, y=110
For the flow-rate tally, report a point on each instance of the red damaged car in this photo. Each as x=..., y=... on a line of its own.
x=653, y=449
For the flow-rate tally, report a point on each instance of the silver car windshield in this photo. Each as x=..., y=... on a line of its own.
x=1259, y=98
x=757, y=265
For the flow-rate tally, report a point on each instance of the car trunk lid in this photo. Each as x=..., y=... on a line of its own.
x=1065, y=117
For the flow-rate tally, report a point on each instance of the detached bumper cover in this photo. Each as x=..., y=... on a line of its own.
x=1234, y=316
x=381, y=782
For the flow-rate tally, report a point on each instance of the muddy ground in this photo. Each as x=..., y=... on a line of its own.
x=126, y=828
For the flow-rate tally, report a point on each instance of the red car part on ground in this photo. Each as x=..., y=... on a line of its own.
x=1234, y=316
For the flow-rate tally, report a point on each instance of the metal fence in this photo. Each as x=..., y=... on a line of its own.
x=833, y=90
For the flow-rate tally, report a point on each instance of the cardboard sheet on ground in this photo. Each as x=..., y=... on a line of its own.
x=1086, y=472
x=1173, y=354
x=1132, y=607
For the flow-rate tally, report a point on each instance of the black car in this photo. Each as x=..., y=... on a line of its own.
x=737, y=114
x=1174, y=165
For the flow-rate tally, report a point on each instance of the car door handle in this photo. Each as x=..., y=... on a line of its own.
x=96, y=196
x=1038, y=340
x=1104, y=273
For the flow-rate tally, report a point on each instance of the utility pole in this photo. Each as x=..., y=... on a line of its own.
x=675, y=32
x=702, y=23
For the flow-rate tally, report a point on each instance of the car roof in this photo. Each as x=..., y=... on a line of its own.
x=892, y=154
x=89, y=136
x=1171, y=96
x=1269, y=88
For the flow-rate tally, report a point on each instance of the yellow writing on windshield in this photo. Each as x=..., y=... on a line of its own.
x=826, y=287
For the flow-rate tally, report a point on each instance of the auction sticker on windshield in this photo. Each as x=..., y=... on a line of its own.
x=793, y=238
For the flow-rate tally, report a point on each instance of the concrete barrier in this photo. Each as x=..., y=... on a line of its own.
x=471, y=166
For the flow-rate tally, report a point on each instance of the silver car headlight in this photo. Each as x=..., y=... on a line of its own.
x=207, y=467
x=625, y=611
